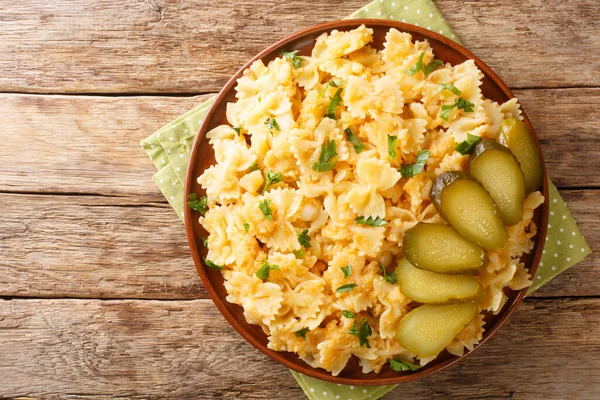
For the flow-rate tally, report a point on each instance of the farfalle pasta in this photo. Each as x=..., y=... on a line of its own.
x=308, y=202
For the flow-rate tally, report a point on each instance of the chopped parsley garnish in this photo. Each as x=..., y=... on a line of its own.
x=331, y=83
x=335, y=101
x=246, y=227
x=198, y=204
x=427, y=69
x=238, y=129
x=460, y=103
x=432, y=66
x=346, y=288
x=299, y=254
x=264, y=271
x=347, y=270
x=302, y=333
x=358, y=146
x=400, y=366
x=304, y=239
x=392, y=146
x=363, y=333
x=362, y=220
x=270, y=179
x=272, y=123
x=205, y=242
x=450, y=87
x=348, y=314
x=389, y=278
x=212, y=265
x=266, y=210
x=410, y=170
x=466, y=146
x=254, y=167
x=328, y=151
x=293, y=58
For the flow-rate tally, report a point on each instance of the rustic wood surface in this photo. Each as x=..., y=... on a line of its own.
x=98, y=294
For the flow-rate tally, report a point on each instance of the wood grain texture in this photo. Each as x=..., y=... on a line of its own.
x=90, y=145
x=185, y=349
x=191, y=46
x=104, y=247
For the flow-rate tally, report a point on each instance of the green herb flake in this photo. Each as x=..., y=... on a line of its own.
x=347, y=270
x=410, y=170
x=401, y=366
x=450, y=87
x=331, y=83
x=429, y=68
x=198, y=204
x=266, y=210
x=362, y=220
x=271, y=179
x=348, y=314
x=467, y=145
x=272, y=123
x=304, y=239
x=346, y=288
x=253, y=167
x=328, y=151
x=392, y=146
x=264, y=271
x=204, y=242
x=238, y=129
x=432, y=66
x=363, y=333
x=293, y=58
x=358, y=146
x=212, y=265
x=246, y=227
x=417, y=67
x=336, y=100
x=389, y=278
x=302, y=333
x=460, y=103
x=299, y=254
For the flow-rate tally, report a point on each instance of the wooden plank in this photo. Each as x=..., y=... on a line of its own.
x=195, y=46
x=104, y=247
x=185, y=349
x=81, y=144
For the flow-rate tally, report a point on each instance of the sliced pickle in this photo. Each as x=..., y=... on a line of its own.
x=428, y=329
x=439, y=248
x=432, y=288
x=469, y=209
x=497, y=169
x=515, y=135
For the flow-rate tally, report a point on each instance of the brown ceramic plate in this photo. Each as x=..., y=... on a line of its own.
x=202, y=157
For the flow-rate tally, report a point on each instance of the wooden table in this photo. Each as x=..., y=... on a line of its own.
x=99, y=296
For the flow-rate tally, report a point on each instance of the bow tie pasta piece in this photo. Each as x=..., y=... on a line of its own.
x=369, y=97
x=340, y=43
x=373, y=176
x=260, y=300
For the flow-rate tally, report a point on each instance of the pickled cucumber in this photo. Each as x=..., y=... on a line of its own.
x=515, y=135
x=432, y=288
x=428, y=329
x=439, y=248
x=469, y=209
x=497, y=169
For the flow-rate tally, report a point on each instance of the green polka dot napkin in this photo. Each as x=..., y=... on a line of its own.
x=170, y=146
